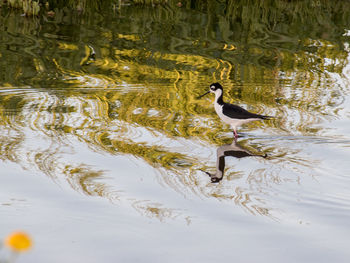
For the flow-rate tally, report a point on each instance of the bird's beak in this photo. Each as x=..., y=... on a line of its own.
x=203, y=95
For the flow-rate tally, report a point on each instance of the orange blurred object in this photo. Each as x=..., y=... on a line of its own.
x=18, y=241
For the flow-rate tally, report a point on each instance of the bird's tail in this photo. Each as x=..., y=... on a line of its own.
x=265, y=117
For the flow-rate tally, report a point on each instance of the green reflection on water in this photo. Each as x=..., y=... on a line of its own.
x=125, y=83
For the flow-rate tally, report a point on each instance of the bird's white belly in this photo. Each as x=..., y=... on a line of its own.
x=233, y=122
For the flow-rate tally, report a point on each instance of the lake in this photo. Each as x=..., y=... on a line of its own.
x=105, y=149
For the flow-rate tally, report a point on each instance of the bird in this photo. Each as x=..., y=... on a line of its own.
x=233, y=115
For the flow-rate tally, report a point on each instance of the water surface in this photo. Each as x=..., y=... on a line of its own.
x=105, y=149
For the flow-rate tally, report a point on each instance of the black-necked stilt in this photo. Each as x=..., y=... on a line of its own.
x=229, y=113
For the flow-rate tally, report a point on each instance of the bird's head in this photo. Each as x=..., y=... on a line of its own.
x=215, y=88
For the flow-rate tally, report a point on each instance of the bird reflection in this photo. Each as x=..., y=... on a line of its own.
x=235, y=150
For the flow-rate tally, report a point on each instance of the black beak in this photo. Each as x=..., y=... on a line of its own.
x=203, y=95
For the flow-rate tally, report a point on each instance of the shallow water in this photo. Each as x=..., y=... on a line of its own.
x=105, y=149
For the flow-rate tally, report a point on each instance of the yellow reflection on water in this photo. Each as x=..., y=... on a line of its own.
x=117, y=104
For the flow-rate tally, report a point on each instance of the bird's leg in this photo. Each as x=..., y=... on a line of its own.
x=235, y=134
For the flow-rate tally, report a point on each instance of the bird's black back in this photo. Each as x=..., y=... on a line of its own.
x=237, y=112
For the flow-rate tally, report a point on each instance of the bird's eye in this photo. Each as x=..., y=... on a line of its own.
x=212, y=87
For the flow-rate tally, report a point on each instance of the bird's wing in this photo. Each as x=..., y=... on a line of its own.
x=238, y=112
